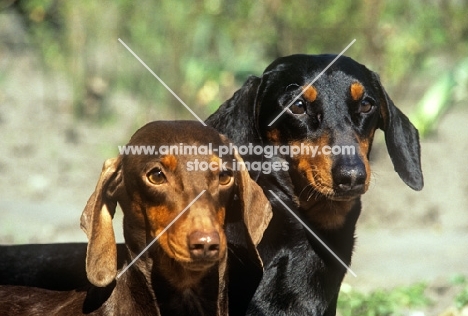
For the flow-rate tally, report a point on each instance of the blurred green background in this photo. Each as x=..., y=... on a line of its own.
x=70, y=93
x=205, y=49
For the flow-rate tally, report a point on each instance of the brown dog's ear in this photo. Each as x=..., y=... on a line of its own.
x=96, y=222
x=402, y=140
x=256, y=208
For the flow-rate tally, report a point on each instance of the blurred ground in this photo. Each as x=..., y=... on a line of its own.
x=49, y=165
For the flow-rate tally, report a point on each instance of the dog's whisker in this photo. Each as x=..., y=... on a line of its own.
x=303, y=189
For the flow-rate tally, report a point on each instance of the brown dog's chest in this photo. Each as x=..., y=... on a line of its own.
x=183, y=292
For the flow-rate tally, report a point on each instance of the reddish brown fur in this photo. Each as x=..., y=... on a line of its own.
x=357, y=91
x=159, y=218
x=317, y=169
x=274, y=135
x=310, y=93
x=170, y=162
x=180, y=278
x=327, y=213
x=189, y=280
x=364, y=152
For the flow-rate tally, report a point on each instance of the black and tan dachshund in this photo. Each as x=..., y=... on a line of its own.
x=337, y=115
x=184, y=272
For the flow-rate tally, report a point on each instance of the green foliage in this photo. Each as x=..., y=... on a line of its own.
x=205, y=49
x=382, y=302
x=461, y=300
x=434, y=102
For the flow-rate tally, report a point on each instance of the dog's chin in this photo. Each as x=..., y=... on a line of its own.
x=347, y=195
x=193, y=264
x=330, y=194
x=199, y=265
x=343, y=197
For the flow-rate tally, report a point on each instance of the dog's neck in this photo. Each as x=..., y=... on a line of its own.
x=193, y=292
x=131, y=282
x=178, y=276
x=177, y=290
x=325, y=213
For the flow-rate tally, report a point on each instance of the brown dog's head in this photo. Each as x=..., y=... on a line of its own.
x=153, y=188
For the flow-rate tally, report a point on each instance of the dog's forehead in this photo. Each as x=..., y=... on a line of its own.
x=175, y=132
x=172, y=143
x=304, y=69
x=307, y=63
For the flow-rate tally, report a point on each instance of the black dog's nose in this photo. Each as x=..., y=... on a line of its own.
x=204, y=245
x=350, y=177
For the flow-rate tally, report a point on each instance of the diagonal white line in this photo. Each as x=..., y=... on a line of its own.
x=315, y=235
x=159, y=235
x=312, y=82
x=162, y=82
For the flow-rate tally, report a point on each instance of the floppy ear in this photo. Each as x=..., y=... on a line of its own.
x=402, y=140
x=256, y=208
x=237, y=118
x=96, y=222
x=246, y=220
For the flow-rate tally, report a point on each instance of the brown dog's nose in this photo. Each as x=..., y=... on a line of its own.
x=204, y=245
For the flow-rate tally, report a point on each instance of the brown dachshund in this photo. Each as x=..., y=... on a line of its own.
x=196, y=214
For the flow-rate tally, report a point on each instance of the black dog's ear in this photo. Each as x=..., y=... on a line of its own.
x=237, y=118
x=402, y=140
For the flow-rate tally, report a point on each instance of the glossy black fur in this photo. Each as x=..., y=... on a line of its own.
x=49, y=266
x=301, y=277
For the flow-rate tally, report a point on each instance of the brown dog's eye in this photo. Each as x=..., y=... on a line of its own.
x=365, y=106
x=298, y=107
x=225, y=177
x=156, y=176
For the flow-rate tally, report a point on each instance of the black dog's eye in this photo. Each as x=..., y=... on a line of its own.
x=298, y=107
x=365, y=106
x=225, y=177
x=156, y=176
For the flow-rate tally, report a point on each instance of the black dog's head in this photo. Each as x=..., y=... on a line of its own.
x=330, y=121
